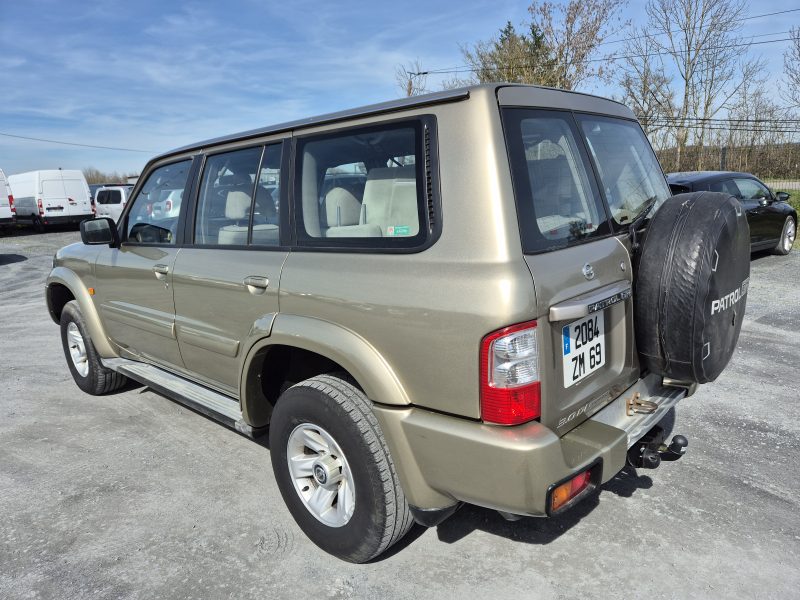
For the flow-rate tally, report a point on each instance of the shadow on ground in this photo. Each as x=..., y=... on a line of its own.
x=10, y=259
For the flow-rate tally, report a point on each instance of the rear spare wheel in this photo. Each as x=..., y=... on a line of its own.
x=691, y=286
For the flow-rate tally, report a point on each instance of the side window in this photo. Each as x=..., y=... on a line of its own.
x=752, y=189
x=727, y=186
x=364, y=187
x=153, y=218
x=239, y=198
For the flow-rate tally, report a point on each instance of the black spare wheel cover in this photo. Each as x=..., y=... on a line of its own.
x=691, y=286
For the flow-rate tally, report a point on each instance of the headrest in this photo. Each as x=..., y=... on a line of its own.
x=237, y=205
x=348, y=205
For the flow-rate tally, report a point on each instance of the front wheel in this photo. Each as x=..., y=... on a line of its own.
x=88, y=372
x=787, y=237
x=334, y=471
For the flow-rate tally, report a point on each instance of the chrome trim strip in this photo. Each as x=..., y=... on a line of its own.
x=599, y=299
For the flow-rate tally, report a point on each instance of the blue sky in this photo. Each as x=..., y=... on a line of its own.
x=154, y=75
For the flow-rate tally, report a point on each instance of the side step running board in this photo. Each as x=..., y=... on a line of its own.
x=212, y=404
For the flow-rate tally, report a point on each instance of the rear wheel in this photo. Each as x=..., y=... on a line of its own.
x=787, y=237
x=88, y=372
x=334, y=471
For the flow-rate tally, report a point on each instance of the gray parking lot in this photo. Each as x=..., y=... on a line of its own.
x=134, y=496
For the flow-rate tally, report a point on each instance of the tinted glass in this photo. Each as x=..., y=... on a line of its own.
x=628, y=169
x=225, y=203
x=556, y=200
x=153, y=218
x=750, y=189
x=362, y=187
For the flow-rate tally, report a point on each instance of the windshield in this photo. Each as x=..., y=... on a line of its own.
x=629, y=171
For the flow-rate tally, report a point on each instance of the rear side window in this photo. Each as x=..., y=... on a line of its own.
x=557, y=201
x=363, y=187
x=726, y=186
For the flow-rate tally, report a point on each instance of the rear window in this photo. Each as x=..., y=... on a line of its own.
x=109, y=197
x=557, y=200
x=628, y=169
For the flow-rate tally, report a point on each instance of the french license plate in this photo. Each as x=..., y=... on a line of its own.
x=584, y=347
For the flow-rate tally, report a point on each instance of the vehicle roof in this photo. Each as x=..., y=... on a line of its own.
x=697, y=176
x=453, y=95
x=48, y=173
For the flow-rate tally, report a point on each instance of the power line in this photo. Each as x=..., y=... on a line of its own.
x=25, y=137
x=462, y=69
x=639, y=37
x=611, y=58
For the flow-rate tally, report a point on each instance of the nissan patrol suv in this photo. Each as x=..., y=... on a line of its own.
x=484, y=295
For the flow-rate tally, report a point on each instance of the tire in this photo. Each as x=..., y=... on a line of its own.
x=336, y=418
x=691, y=286
x=82, y=359
x=788, y=235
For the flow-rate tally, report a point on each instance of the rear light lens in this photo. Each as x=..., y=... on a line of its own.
x=510, y=389
x=168, y=206
x=41, y=207
x=11, y=203
x=569, y=490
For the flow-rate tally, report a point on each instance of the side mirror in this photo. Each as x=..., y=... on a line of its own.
x=782, y=196
x=99, y=232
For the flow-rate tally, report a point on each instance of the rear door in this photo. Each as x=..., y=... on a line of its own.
x=77, y=194
x=580, y=180
x=226, y=279
x=54, y=197
x=757, y=201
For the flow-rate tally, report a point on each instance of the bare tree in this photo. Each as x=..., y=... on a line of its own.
x=574, y=31
x=700, y=37
x=646, y=88
x=411, y=78
x=791, y=66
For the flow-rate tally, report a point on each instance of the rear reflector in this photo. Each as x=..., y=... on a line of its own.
x=569, y=490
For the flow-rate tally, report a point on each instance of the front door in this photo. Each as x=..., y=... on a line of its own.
x=226, y=280
x=134, y=282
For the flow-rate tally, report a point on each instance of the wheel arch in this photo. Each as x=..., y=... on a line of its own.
x=322, y=347
x=63, y=286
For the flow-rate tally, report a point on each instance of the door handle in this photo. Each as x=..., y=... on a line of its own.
x=255, y=284
x=161, y=271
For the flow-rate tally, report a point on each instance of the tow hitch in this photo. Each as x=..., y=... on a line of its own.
x=649, y=451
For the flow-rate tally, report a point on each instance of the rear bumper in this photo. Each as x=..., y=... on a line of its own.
x=7, y=220
x=64, y=220
x=442, y=460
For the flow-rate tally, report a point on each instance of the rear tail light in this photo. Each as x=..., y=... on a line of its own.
x=11, y=204
x=510, y=390
x=41, y=207
x=168, y=206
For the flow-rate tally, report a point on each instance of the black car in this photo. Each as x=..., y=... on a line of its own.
x=773, y=222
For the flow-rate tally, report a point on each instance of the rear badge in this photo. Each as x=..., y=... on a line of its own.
x=588, y=271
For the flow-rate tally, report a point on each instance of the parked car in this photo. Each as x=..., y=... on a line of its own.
x=110, y=200
x=51, y=197
x=462, y=329
x=7, y=210
x=772, y=220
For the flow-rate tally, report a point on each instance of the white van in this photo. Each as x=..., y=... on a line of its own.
x=7, y=216
x=110, y=200
x=50, y=197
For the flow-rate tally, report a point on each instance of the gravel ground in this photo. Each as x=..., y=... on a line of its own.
x=134, y=496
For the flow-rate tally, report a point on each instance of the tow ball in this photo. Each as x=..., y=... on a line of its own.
x=649, y=451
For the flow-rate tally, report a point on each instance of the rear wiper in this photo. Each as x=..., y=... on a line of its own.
x=637, y=221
